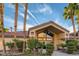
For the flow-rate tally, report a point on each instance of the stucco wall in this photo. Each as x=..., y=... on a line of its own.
x=8, y=40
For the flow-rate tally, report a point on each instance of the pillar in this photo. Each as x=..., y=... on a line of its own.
x=55, y=41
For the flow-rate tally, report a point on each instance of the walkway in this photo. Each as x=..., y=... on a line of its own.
x=59, y=53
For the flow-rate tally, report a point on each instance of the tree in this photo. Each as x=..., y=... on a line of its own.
x=77, y=14
x=25, y=15
x=15, y=22
x=5, y=29
x=2, y=25
x=69, y=14
x=16, y=18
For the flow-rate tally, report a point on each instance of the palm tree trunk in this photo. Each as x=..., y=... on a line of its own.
x=15, y=21
x=78, y=26
x=74, y=29
x=25, y=15
x=16, y=18
x=2, y=26
x=78, y=30
x=4, y=48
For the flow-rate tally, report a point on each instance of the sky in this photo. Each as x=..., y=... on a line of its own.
x=38, y=13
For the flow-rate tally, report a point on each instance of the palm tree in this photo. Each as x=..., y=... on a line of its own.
x=15, y=22
x=16, y=18
x=77, y=14
x=25, y=15
x=2, y=26
x=69, y=14
x=77, y=20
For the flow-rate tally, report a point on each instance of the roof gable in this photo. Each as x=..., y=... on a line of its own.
x=49, y=23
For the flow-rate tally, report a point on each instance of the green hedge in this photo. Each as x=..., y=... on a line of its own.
x=71, y=46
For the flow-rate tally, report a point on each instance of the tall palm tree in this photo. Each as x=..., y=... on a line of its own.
x=24, y=28
x=77, y=14
x=77, y=20
x=15, y=21
x=2, y=25
x=16, y=18
x=69, y=14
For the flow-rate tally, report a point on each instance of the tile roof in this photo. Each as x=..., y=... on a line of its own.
x=18, y=34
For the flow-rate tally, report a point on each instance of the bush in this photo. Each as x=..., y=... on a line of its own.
x=43, y=45
x=39, y=45
x=49, y=48
x=71, y=46
x=32, y=43
x=28, y=52
x=19, y=44
x=10, y=45
x=35, y=46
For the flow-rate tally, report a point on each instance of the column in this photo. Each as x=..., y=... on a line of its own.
x=55, y=41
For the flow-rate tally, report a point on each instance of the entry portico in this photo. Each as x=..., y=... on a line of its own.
x=49, y=32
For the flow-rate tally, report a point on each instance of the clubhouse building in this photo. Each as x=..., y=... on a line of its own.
x=46, y=32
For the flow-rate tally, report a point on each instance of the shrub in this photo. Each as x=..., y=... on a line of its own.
x=10, y=45
x=28, y=52
x=39, y=45
x=19, y=44
x=49, y=48
x=35, y=46
x=43, y=45
x=71, y=46
x=32, y=43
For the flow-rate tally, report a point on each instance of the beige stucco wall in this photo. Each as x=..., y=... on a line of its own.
x=33, y=30
x=8, y=40
x=57, y=37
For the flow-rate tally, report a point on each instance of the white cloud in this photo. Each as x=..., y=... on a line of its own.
x=33, y=16
x=20, y=27
x=10, y=5
x=71, y=28
x=45, y=9
x=10, y=23
x=8, y=20
x=22, y=14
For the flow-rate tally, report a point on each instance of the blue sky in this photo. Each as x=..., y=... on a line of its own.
x=37, y=14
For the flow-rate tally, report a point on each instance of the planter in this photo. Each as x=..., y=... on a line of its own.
x=43, y=51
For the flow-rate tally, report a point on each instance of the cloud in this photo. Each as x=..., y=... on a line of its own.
x=20, y=27
x=9, y=22
x=33, y=16
x=29, y=12
x=45, y=9
x=10, y=5
x=71, y=28
x=22, y=14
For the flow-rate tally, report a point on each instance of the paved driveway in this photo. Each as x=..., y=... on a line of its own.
x=59, y=53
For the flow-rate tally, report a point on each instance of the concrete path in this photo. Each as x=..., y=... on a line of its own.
x=59, y=53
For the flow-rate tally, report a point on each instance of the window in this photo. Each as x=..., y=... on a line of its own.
x=32, y=33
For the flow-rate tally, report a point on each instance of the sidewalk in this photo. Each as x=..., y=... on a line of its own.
x=59, y=53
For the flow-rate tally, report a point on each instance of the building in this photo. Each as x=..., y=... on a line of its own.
x=46, y=32
x=71, y=35
x=49, y=32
